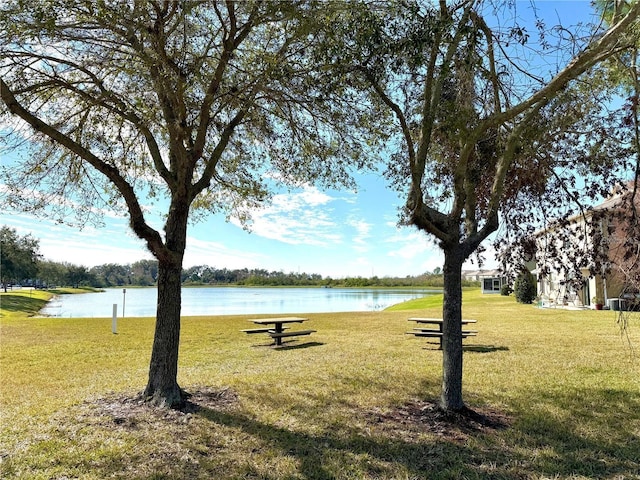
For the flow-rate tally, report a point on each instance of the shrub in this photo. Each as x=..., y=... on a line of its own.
x=506, y=290
x=525, y=287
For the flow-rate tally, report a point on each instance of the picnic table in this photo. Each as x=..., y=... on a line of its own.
x=437, y=332
x=275, y=327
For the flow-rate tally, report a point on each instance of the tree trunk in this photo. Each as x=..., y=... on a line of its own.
x=452, y=331
x=163, y=389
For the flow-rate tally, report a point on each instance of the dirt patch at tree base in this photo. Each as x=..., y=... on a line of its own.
x=423, y=416
x=128, y=410
x=412, y=419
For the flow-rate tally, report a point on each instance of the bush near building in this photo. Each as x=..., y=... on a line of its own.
x=524, y=287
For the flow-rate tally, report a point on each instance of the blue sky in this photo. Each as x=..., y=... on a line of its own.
x=331, y=233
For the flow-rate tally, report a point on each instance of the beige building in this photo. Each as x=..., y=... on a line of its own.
x=491, y=281
x=600, y=232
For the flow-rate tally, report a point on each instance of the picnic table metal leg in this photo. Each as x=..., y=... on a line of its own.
x=441, y=326
x=278, y=330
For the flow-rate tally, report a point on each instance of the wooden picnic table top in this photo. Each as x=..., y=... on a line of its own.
x=268, y=321
x=436, y=321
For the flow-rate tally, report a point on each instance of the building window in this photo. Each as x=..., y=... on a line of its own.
x=491, y=285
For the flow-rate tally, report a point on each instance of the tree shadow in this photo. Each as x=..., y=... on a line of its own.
x=21, y=303
x=316, y=454
x=557, y=434
x=379, y=441
x=484, y=348
x=582, y=432
x=296, y=345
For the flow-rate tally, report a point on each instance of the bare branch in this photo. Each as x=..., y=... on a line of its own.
x=138, y=223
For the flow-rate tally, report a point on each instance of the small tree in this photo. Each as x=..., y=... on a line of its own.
x=506, y=290
x=524, y=288
x=476, y=137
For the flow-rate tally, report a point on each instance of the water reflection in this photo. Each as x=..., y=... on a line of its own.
x=141, y=302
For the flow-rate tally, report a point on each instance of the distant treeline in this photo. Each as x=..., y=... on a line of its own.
x=22, y=264
x=145, y=273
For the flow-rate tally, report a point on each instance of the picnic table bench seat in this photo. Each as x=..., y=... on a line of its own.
x=275, y=327
x=438, y=332
x=426, y=334
x=420, y=332
x=294, y=333
x=260, y=330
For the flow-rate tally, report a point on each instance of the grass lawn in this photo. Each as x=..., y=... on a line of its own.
x=352, y=401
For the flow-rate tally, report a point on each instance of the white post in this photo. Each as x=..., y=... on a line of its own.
x=114, y=319
x=124, y=291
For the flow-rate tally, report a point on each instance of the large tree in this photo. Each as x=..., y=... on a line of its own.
x=204, y=104
x=18, y=256
x=485, y=130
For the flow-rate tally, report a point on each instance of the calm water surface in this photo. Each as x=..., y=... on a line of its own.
x=141, y=302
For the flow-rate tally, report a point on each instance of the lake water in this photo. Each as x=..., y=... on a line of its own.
x=141, y=302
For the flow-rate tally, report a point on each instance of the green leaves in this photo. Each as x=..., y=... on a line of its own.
x=203, y=98
x=18, y=255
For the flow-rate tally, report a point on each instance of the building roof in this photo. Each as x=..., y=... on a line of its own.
x=615, y=199
x=482, y=273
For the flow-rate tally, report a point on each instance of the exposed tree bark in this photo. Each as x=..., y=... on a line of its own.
x=452, y=353
x=162, y=387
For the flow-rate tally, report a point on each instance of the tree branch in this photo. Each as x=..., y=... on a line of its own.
x=138, y=222
x=232, y=41
x=594, y=53
x=111, y=102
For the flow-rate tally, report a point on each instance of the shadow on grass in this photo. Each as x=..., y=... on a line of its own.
x=339, y=454
x=586, y=433
x=21, y=303
x=297, y=345
x=537, y=445
x=471, y=348
x=290, y=345
x=484, y=348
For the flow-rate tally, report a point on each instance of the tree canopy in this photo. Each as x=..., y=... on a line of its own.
x=18, y=256
x=204, y=105
x=149, y=96
x=485, y=132
x=207, y=104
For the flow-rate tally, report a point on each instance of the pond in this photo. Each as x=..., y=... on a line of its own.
x=141, y=302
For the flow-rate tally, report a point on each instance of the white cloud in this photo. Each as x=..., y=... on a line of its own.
x=301, y=218
x=436, y=260
x=68, y=204
x=203, y=252
x=89, y=246
x=361, y=238
x=410, y=244
x=91, y=250
x=490, y=259
x=409, y=251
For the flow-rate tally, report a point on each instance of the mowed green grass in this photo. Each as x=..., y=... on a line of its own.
x=567, y=380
